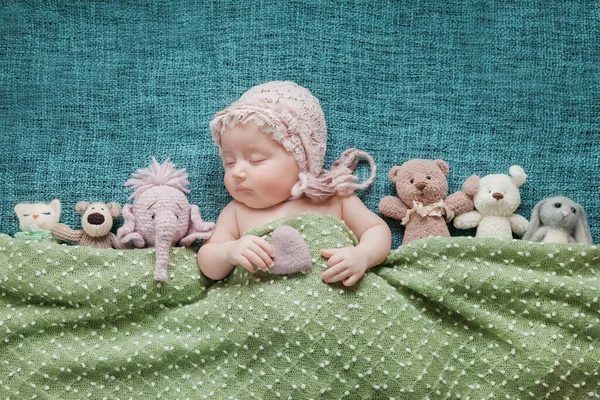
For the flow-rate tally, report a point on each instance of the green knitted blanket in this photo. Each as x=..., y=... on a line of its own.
x=442, y=318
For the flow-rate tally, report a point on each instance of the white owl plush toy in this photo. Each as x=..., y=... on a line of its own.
x=496, y=198
x=37, y=220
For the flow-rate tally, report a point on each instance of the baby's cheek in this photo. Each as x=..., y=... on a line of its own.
x=228, y=181
x=279, y=183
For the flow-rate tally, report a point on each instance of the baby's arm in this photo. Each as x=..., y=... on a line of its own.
x=223, y=251
x=349, y=264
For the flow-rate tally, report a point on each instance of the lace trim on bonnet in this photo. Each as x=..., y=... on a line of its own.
x=293, y=117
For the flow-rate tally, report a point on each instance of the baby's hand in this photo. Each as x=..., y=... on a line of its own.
x=250, y=252
x=347, y=264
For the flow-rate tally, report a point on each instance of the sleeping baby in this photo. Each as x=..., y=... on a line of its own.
x=272, y=142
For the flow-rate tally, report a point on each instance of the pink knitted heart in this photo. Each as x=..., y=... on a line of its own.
x=291, y=251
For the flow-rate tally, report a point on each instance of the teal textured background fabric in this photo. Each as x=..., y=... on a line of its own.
x=89, y=91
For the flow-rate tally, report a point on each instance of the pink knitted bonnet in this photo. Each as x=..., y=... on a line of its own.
x=294, y=118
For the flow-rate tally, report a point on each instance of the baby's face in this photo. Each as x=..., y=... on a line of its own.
x=259, y=172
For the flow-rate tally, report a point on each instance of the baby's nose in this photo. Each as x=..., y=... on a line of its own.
x=498, y=196
x=237, y=169
x=239, y=173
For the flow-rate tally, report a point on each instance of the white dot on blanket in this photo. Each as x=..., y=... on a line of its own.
x=319, y=332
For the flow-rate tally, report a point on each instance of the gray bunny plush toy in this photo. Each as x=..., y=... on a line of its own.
x=558, y=220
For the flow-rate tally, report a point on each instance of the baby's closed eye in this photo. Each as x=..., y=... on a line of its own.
x=257, y=158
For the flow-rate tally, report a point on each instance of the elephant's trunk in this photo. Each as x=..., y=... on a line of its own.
x=166, y=229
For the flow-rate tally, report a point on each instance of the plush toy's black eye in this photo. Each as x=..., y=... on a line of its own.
x=412, y=181
x=428, y=178
x=574, y=210
x=557, y=205
x=153, y=216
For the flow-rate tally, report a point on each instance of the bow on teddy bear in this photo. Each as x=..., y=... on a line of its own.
x=423, y=204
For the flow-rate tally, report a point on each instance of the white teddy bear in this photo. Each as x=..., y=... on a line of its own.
x=496, y=197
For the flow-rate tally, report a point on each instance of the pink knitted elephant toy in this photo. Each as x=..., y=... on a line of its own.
x=161, y=215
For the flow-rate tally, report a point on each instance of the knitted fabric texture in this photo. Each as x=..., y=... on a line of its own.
x=97, y=218
x=161, y=215
x=294, y=118
x=463, y=317
x=66, y=234
x=291, y=253
x=33, y=233
x=96, y=223
x=92, y=89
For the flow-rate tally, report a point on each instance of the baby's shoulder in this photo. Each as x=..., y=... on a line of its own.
x=348, y=200
x=230, y=209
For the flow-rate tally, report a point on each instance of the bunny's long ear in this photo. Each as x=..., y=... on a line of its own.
x=581, y=233
x=534, y=222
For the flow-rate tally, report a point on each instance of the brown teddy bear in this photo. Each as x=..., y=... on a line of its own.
x=97, y=221
x=422, y=205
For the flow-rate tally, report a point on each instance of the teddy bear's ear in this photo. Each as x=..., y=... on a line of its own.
x=471, y=185
x=443, y=166
x=81, y=207
x=517, y=174
x=393, y=172
x=115, y=209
